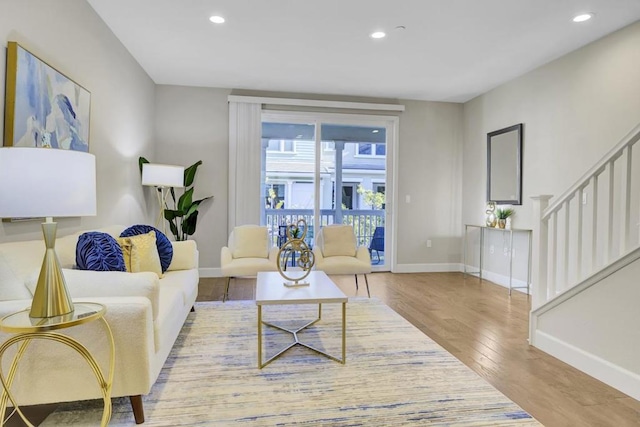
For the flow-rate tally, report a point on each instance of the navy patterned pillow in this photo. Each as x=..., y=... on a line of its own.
x=99, y=252
x=165, y=248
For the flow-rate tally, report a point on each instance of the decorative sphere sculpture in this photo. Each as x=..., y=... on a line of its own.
x=295, y=245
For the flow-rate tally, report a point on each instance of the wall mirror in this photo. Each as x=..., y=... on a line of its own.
x=504, y=166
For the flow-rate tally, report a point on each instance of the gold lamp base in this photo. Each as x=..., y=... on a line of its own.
x=51, y=297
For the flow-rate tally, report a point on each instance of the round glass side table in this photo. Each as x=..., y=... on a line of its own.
x=27, y=329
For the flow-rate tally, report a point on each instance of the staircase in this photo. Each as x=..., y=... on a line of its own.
x=586, y=271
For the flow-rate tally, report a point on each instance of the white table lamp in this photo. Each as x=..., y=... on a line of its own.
x=47, y=182
x=163, y=177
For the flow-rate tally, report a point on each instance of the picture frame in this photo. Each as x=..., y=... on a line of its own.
x=43, y=107
x=504, y=165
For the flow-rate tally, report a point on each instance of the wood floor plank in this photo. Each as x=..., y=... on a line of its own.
x=480, y=324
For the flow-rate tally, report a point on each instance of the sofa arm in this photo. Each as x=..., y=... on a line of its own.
x=363, y=254
x=317, y=253
x=130, y=321
x=273, y=255
x=225, y=258
x=185, y=255
x=89, y=284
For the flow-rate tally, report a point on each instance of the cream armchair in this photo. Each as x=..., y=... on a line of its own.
x=248, y=252
x=336, y=252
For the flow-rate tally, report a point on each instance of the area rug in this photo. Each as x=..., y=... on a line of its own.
x=394, y=375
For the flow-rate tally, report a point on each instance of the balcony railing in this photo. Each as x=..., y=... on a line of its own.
x=364, y=221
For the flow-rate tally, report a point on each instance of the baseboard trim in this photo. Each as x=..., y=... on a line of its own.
x=617, y=377
x=210, y=272
x=499, y=279
x=427, y=268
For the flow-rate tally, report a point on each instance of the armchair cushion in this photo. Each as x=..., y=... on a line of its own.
x=338, y=240
x=250, y=241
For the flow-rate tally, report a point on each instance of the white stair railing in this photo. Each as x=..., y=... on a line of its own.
x=588, y=227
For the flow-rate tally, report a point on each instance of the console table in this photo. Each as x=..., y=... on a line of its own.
x=484, y=229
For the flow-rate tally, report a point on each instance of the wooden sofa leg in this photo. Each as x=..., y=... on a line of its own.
x=138, y=409
x=356, y=281
x=193, y=308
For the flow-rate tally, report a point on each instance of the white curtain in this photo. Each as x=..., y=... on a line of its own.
x=245, y=132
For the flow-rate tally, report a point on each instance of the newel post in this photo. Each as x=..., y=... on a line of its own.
x=539, y=249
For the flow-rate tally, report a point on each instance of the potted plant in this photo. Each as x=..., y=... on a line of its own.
x=502, y=215
x=184, y=215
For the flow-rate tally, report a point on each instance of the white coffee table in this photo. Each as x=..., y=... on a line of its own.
x=270, y=290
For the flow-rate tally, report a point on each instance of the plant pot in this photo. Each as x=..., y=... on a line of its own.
x=502, y=223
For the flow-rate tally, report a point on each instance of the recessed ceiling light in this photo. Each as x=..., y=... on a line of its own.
x=216, y=19
x=582, y=17
x=375, y=131
x=378, y=35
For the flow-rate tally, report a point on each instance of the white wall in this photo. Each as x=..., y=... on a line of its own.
x=430, y=173
x=575, y=332
x=574, y=110
x=69, y=36
x=192, y=123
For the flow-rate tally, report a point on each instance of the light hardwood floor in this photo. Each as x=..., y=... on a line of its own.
x=487, y=330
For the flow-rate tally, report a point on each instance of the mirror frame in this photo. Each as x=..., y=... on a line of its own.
x=517, y=129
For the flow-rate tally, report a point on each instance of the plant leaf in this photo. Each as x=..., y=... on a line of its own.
x=184, y=203
x=142, y=161
x=190, y=173
x=189, y=224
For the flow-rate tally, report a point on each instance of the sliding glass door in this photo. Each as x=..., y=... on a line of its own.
x=328, y=169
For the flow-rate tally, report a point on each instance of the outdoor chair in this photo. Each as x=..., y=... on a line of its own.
x=377, y=242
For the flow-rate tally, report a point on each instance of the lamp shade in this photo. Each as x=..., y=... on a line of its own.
x=46, y=182
x=159, y=175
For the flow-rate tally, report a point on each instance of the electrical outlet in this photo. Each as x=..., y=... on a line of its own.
x=491, y=249
x=428, y=243
x=407, y=198
x=584, y=198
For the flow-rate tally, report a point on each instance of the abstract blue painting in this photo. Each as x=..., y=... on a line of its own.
x=43, y=108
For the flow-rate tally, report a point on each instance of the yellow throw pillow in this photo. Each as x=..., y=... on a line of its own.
x=338, y=240
x=140, y=253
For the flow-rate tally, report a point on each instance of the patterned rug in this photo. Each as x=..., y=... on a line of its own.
x=394, y=375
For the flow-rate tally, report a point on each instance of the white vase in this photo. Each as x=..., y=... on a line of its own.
x=508, y=224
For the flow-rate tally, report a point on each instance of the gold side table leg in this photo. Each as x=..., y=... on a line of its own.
x=344, y=333
x=260, y=365
x=25, y=338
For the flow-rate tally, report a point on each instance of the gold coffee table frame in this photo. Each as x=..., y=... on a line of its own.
x=28, y=329
x=296, y=340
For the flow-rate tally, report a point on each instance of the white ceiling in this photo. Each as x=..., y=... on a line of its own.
x=450, y=50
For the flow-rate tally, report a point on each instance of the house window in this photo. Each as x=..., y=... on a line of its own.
x=369, y=149
x=281, y=146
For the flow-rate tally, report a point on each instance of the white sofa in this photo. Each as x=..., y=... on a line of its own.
x=145, y=314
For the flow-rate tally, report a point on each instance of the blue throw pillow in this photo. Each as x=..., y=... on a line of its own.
x=165, y=248
x=99, y=252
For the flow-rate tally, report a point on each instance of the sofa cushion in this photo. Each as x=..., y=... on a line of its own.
x=99, y=252
x=163, y=244
x=141, y=253
x=185, y=255
x=250, y=241
x=338, y=240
